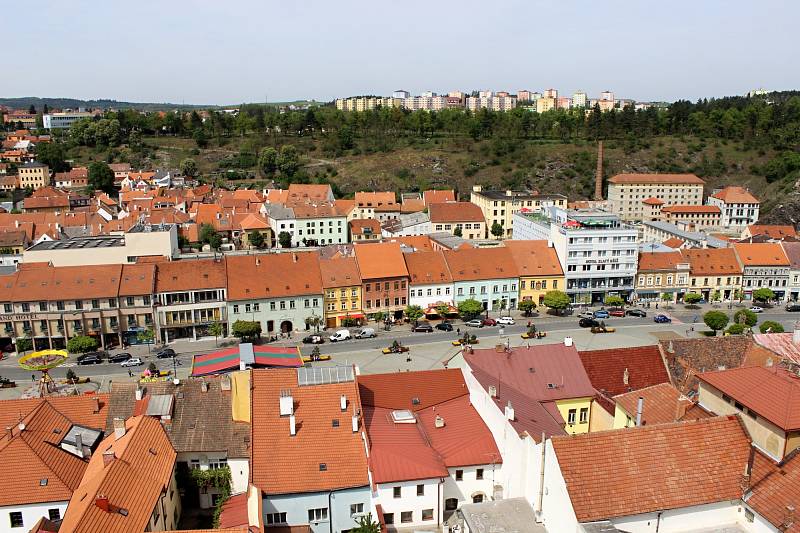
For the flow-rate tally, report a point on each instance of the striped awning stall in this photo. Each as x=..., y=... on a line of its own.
x=246, y=355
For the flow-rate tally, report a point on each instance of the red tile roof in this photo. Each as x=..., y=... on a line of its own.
x=452, y=212
x=712, y=261
x=774, y=489
x=736, y=195
x=438, y=196
x=285, y=464
x=662, y=261
x=606, y=368
x=375, y=199
x=427, y=268
x=174, y=276
x=371, y=225
x=339, y=272
x=380, y=260
x=86, y=410
x=300, y=275
x=534, y=258
x=673, y=242
x=657, y=178
x=761, y=254
x=773, y=393
x=470, y=264
x=772, y=231
x=632, y=471
x=683, y=209
x=662, y=404
x=653, y=201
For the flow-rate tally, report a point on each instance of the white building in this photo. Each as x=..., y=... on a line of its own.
x=739, y=208
x=579, y=99
x=430, y=282
x=57, y=121
x=407, y=225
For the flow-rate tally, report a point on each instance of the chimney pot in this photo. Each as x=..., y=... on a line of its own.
x=567, y=341
x=355, y=423
x=343, y=402
x=108, y=457
x=439, y=422
x=119, y=428
x=96, y=405
x=509, y=412
x=139, y=393
x=639, y=408
x=102, y=502
x=292, y=426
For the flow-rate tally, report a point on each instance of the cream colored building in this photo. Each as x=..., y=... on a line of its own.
x=579, y=99
x=495, y=103
x=627, y=192
x=363, y=103
x=34, y=175
x=500, y=206
x=545, y=104
x=692, y=217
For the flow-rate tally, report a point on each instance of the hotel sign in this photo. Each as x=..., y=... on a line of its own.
x=21, y=316
x=602, y=261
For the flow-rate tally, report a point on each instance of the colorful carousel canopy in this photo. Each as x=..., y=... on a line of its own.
x=246, y=355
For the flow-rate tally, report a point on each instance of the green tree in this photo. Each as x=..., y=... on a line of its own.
x=457, y=232
x=763, y=294
x=378, y=316
x=285, y=239
x=200, y=137
x=245, y=329
x=189, y=167
x=23, y=344
x=209, y=235
x=268, y=161
x=527, y=307
x=414, y=313
x=556, y=300
x=716, y=296
x=442, y=310
x=288, y=160
x=716, y=320
x=666, y=297
x=737, y=294
x=497, y=230
x=614, y=301
x=81, y=344
x=101, y=178
x=770, y=326
x=745, y=317
x=256, y=239
x=692, y=298
x=470, y=308
x=366, y=525
x=53, y=155
x=146, y=336
x=735, y=329
x=217, y=330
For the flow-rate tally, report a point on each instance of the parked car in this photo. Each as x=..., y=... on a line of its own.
x=96, y=354
x=602, y=313
x=88, y=359
x=588, y=323
x=313, y=339
x=489, y=321
x=341, y=335
x=662, y=319
x=586, y=314
x=474, y=323
x=165, y=353
x=505, y=321
x=133, y=361
x=444, y=326
x=793, y=307
x=616, y=312
x=119, y=357
x=635, y=312
x=366, y=333
x=423, y=327
x=757, y=309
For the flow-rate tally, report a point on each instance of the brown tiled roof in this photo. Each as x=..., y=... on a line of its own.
x=775, y=490
x=660, y=261
x=761, y=254
x=412, y=205
x=134, y=480
x=187, y=275
x=673, y=242
x=712, y=261
x=375, y=199
x=662, y=404
x=89, y=411
x=339, y=272
x=310, y=192
x=534, y=258
x=792, y=251
x=12, y=238
x=253, y=277
x=138, y=279
x=440, y=386
x=772, y=231
x=707, y=209
x=315, y=210
x=380, y=260
x=67, y=282
x=468, y=264
x=427, y=268
x=656, y=178
x=736, y=195
x=357, y=226
x=450, y=212
x=201, y=421
x=773, y=393
x=438, y=196
x=607, y=368
x=319, y=457
x=633, y=471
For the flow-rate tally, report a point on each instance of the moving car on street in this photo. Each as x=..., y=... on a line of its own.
x=164, y=353
x=133, y=361
x=489, y=321
x=341, y=335
x=90, y=359
x=119, y=357
x=602, y=313
x=588, y=323
x=505, y=321
x=313, y=339
x=474, y=323
x=635, y=312
x=757, y=309
x=616, y=312
x=423, y=327
x=444, y=326
x=662, y=319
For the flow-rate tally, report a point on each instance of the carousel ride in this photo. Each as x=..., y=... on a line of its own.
x=43, y=361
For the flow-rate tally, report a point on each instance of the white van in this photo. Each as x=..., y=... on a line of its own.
x=365, y=333
x=341, y=335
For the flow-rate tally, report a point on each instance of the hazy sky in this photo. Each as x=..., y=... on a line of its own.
x=230, y=51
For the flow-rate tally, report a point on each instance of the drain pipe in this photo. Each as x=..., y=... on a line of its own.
x=541, y=480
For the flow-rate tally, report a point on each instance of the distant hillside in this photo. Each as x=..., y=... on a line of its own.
x=59, y=103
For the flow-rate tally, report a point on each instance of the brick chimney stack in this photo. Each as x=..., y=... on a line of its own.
x=598, y=177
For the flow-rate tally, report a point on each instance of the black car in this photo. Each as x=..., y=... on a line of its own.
x=166, y=352
x=314, y=339
x=119, y=357
x=792, y=307
x=423, y=328
x=97, y=354
x=588, y=323
x=89, y=359
x=635, y=312
x=444, y=326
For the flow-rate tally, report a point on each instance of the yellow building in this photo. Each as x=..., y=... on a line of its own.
x=341, y=284
x=499, y=207
x=576, y=414
x=539, y=269
x=714, y=271
x=545, y=104
x=661, y=273
x=34, y=175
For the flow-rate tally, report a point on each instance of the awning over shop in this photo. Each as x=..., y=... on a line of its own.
x=432, y=309
x=246, y=355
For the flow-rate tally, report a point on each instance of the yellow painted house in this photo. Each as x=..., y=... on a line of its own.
x=539, y=269
x=576, y=413
x=341, y=285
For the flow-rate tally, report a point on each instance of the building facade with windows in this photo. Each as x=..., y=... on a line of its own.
x=714, y=271
x=33, y=175
x=281, y=304
x=627, y=192
x=764, y=264
x=65, y=120
x=539, y=269
x=499, y=207
x=662, y=273
x=341, y=283
x=465, y=218
x=739, y=208
x=430, y=282
x=384, y=278
x=488, y=275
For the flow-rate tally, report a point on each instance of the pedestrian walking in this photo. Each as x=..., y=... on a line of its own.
x=33, y=377
x=458, y=331
x=130, y=374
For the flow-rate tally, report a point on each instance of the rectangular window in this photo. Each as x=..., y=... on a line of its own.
x=420, y=490
x=316, y=515
x=26, y=308
x=571, y=416
x=459, y=475
x=584, y=415
x=396, y=492
x=235, y=309
x=129, y=301
x=54, y=514
x=479, y=473
x=16, y=519
x=427, y=514
x=276, y=518
x=60, y=305
x=388, y=518
x=256, y=307
x=406, y=517
x=356, y=508
x=272, y=306
x=42, y=306
x=95, y=304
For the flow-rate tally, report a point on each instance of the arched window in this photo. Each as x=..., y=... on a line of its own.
x=477, y=498
x=451, y=504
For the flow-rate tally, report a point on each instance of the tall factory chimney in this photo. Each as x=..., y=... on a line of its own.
x=598, y=178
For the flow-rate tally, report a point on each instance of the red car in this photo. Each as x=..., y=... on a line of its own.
x=616, y=312
x=489, y=322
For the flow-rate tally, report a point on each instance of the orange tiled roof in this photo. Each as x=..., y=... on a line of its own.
x=358, y=225
x=418, y=242
x=659, y=261
x=609, y=369
x=375, y=199
x=284, y=464
x=173, y=276
x=467, y=264
x=535, y=258
x=68, y=282
x=438, y=196
x=253, y=277
x=712, y=261
x=455, y=212
x=736, y=195
x=89, y=411
x=761, y=254
x=774, y=489
x=427, y=267
x=653, y=201
x=134, y=480
x=662, y=404
x=673, y=242
x=772, y=231
x=691, y=209
x=339, y=272
x=412, y=205
x=633, y=471
x=380, y=260
x=310, y=192
x=657, y=178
